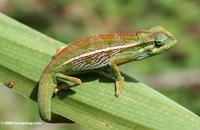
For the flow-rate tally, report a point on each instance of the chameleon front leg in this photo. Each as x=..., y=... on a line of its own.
x=118, y=77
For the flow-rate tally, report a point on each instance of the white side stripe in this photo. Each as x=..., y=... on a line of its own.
x=104, y=50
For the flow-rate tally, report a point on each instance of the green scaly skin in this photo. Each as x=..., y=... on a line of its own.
x=97, y=52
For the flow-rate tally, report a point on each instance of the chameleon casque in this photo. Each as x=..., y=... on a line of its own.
x=96, y=52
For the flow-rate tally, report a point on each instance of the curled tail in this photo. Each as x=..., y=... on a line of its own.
x=45, y=93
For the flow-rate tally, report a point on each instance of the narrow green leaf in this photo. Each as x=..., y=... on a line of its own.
x=24, y=53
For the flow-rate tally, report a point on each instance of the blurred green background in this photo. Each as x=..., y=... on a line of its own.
x=175, y=73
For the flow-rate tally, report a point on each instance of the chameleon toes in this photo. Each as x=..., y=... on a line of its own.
x=118, y=85
x=78, y=81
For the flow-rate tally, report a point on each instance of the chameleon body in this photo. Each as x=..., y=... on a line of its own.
x=97, y=52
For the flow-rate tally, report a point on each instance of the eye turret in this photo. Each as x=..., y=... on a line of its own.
x=160, y=38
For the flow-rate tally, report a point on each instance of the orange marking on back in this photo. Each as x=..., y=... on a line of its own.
x=59, y=50
x=123, y=36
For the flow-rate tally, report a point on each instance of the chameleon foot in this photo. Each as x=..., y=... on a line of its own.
x=118, y=84
x=77, y=81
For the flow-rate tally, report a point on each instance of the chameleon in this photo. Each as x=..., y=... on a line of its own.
x=96, y=53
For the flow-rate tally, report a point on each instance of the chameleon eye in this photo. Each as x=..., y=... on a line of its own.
x=160, y=38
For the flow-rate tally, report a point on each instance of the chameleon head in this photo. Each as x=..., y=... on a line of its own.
x=161, y=40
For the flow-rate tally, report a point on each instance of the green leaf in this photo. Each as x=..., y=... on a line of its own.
x=24, y=53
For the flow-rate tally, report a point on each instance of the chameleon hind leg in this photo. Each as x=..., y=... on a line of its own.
x=65, y=79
